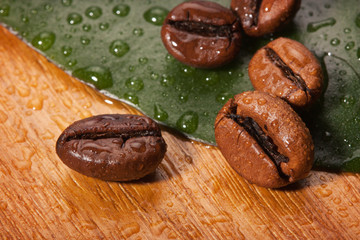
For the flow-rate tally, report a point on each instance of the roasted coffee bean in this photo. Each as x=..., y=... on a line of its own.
x=260, y=17
x=264, y=140
x=202, y=34
x=289, y=70
x=112, y=147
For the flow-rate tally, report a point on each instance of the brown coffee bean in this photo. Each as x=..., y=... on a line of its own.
x=264, y=140
x=202, y=34
x=112, y=147
x=289, y=70
x=263, y=17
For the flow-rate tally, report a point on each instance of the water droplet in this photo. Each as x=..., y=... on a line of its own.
x=188, y=70
x=357, y=20
x=347, y=30
x=48, y=7
x=71, y=63
x=25, y=34
x=169, y=58
x=358, y=53
x=183, y=97
x=154, y=76
x=211, y=79
x=348, y=100
x=104, y=26
x=36, y=103
x=84, y=40
x=68, y=36
x=99, y=76
x=121, y=10
x=167, y=80
x=24, y=19
x=134, y=83
x=43, y=41
x=156, y=15
x=34, y=11
x=66, y=2
x=143, y=60
x=342, y=72
x=74, y=18
x=4, y=10
x=132, y=68
x=223, y=97
x=86, y=27
x=159, y=113
x=66, y=50
x=335, y=41
x=349, y=46
x=119, y=48
x=93, y=12
x=131, y=97
x=314, y=26
x=188, y=122
x=138, y=32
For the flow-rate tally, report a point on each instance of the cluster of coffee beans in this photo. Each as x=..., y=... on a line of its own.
x=258, y=132
x=205, y=34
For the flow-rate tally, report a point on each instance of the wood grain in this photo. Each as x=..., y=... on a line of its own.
x=194, y=194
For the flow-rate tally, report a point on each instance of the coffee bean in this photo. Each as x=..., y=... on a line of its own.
x=289, y=70
x=264, y=140
x=112, y=147
x=263, y=17
x=202, y=34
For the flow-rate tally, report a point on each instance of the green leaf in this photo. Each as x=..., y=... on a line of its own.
x=116, y=47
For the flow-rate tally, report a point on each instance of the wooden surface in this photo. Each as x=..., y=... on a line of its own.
x=194, y=194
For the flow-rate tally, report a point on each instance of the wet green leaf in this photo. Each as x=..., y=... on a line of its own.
x=116, y=47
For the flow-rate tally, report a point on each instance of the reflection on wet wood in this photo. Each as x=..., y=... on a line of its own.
x=194, y=194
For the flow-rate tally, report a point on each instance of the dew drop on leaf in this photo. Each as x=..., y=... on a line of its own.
x=86, y=27
x=159, y=113
x=349, y=46
x=138, y=32
x=188, y=122
x=314, y=26
x=84, y=40
x=156, y=15
x=335, y=41
x=93, y=12
x=134, y=83
x=121, y=10
x=131, y=97
x=74, y=18
x=119, y=48
x=104, y=26
x=99, y=76
x=43, y=41
x=66, y=50
x=66, y=3
x=4, y=10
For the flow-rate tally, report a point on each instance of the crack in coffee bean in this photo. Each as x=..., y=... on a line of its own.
x=254, y=10
x=287, y=71
x=265, y=142
x=264, y=139
x=203, y=29
x=115, y=147
x=202, y=34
